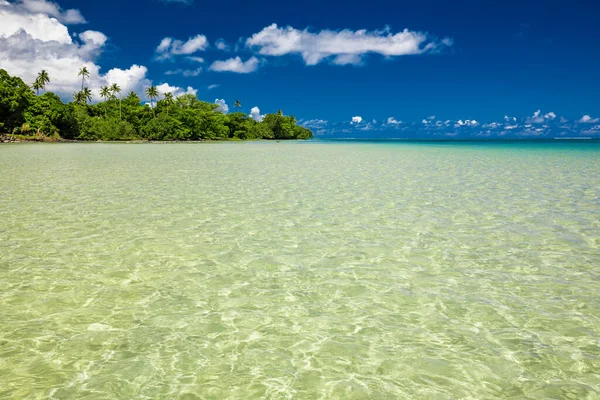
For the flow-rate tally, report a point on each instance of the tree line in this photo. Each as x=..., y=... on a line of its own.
x=23, y=111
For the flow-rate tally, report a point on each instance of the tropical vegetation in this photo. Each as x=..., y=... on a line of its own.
x=23, y=111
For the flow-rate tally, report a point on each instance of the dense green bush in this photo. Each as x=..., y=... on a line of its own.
x=182, y=118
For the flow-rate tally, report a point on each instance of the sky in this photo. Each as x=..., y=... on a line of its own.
x=398, y=69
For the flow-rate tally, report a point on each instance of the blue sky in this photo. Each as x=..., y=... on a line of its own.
x=399, y=68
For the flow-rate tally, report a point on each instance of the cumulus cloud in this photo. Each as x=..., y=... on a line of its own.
x=586, y=119
x=223, y=107
x=221, y=44
x=211, y=87
x=185, y=72
x=39, y=8
x=342, y=47
x=255, y=114
x=175, y=90
x=538, y=118
x=31, y=40
x=356, y=120
x=236, y=65
x=170, y=47
x=467, y=122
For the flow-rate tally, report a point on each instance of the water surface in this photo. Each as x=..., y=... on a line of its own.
x=300, y=271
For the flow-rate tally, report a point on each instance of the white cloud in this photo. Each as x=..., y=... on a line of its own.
x=236, y=65
x=185, y=72
x=393, y=121
x=170, y=47
x=132, y=79
x=509, y=119
x=314, y=123
x=586, y=119
x=37, y=26
x=356, y=120
x=34, y=8
x=346, y=46
x=431, y=118
x=211, y=87
x=467, y=122
x=255, y=114
x=93, y=38
x=31, y=41
x=175, y=90
x=222, y=45
x=223, y=107
x=538, y=118
x=196, y=59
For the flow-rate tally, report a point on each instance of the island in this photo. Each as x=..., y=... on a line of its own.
x=27, y=115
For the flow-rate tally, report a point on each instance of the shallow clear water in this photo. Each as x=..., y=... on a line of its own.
x=300, y=270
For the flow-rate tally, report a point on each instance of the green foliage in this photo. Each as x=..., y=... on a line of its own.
x=182, y=118
x=96, y=128
x=15, y=97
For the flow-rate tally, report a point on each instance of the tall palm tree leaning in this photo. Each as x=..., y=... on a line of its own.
x=105, y=93
x=115, y=89
x=237, y=105
x=83, y=73
x=152, y=94
x=169, y=100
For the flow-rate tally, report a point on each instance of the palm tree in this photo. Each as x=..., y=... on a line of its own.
x=152, y=93
x=116, y=89
x=78, y=97
x=86, y=95
x=37, y=86
x=237, y=104
x=84, y=73
x=169, y=100
x=293, y=119
x=43, y=78
x=105, y=94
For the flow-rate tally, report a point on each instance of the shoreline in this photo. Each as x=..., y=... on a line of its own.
x=7, y=138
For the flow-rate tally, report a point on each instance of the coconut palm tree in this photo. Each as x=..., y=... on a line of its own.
x=105, y=94
x=86, y=94
x=237, y=104
x=83, y=73
x=115, y=89
x=169, y=100
x=43, y=78
x=78, y=97
x=152, y=94
x=37, y=86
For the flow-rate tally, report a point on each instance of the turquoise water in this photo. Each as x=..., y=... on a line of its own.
x=300, y=271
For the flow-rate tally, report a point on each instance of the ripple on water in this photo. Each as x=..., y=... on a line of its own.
x=299, y=270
